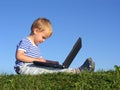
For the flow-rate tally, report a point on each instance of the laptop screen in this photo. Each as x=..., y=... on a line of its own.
x=77, y=46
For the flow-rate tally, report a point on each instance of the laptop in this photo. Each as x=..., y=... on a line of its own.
x=74, y=51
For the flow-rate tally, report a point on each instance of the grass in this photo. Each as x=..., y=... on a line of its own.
x=99, y=80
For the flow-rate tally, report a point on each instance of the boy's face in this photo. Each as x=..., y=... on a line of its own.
x=40, y=37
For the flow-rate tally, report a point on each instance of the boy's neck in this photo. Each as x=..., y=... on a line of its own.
x=30, y=37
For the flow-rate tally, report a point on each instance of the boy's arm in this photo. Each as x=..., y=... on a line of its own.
x=20, y=55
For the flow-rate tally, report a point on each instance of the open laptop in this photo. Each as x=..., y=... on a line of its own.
x=77, y=46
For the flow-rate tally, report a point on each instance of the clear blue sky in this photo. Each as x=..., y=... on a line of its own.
x=97, y=22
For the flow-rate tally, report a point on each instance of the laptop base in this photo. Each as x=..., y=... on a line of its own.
x=37, y=63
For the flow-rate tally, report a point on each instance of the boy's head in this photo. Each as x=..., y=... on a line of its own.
x=42, y=24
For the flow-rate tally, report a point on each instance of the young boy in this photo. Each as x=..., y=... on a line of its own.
x=27, y=51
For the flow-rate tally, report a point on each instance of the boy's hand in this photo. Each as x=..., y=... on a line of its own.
x=40, y=60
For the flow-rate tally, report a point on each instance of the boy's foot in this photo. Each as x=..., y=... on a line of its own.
x=88, y=65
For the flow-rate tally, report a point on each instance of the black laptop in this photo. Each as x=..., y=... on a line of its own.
x=77, y=46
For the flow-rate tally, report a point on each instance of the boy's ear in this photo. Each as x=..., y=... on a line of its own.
x=35, y=30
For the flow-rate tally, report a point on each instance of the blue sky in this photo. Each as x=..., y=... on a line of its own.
x=97, y=22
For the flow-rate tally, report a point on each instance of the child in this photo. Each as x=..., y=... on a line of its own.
x=27, y=51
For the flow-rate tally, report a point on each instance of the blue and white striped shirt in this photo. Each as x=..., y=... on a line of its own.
x=29, y=49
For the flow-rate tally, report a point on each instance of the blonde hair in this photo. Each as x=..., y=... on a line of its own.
x=42, y=24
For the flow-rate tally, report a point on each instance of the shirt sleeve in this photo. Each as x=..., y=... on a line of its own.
x=22, y=45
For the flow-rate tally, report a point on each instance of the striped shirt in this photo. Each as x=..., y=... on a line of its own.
x=29, y=49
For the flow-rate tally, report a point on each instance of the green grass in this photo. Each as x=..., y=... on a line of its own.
x=99, y=80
